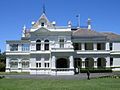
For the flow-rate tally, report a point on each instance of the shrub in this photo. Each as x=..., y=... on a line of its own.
x=96, y=70
x=2, y=67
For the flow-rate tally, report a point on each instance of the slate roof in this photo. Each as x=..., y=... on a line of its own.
x=87, y=33
x=112, y=36
x=92, y=33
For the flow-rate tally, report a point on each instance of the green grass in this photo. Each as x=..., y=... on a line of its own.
x=38, y=84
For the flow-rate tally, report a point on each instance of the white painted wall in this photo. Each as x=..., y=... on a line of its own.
x=116, y=46
x=116, y=62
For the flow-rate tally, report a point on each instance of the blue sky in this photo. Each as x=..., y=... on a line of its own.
x=14, y=14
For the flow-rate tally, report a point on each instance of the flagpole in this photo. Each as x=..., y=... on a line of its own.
x=78, y=18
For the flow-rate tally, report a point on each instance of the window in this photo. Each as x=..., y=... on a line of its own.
x=88, y=46
x=47, y=65
x=38, y=45
x=14, y=65
x=111, y=45
x=46, y=44
x=25, y=47
x=111, y=61
x=25, y=64
x=61, y=42
x=42, y=24
x=100, y=46
x=14, y=47
x=77, y=46
x=38, y=65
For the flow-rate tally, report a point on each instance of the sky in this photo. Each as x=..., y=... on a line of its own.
x=14, y=14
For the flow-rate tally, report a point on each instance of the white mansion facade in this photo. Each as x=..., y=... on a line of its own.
x=55, y=50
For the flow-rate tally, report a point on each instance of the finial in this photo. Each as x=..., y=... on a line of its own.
x=24, y=27
x=24, y=31
x=89, y=23
x=69, y=23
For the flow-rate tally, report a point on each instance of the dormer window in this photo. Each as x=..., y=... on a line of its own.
x=42, y=24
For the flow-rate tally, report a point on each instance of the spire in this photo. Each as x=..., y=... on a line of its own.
x=44, y=10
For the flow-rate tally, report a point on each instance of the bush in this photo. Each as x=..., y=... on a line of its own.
x=2, y=67
x=95, y=70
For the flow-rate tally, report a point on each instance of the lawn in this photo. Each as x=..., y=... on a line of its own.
x=38, y=84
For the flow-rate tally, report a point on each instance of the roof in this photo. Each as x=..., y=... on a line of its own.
x=112, y=36
x=92, y=33
x=42, y=18
x=87, y=33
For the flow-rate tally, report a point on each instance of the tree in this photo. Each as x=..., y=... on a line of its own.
x=2, y=61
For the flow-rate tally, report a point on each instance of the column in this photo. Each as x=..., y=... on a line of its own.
x=42, y=63
x=53, y=63
x=83, y=62
x=95, y=46
x=7, y=64
x=19, y=63
x=42, y=45
x=107, y=46
x=71, y=62
x=95, y=62
x=19, y=47
x=32, y=62
x=107, y=61
x=33, y=46
x=7, y=47
x=82, y=46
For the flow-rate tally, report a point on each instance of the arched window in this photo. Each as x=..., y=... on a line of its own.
x=46, y=44
x=101, y=62
x=38, y=45
x=89, y=62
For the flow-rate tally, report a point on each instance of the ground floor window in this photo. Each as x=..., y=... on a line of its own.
x=62, y=63
x=89, y=63
x=38, y=65
x=46, y=64
x=101, y=62
x=14, y=65
x=111, y=61
x=77, y=63
x=25, y=64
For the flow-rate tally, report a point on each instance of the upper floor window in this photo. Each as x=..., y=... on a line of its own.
x=38, y=45
x=77, y=46
x=61, y=42
x=46, y=44
x=42, y=24
x=14, y=47
x=100, y=46
x=25, y=47
x=111, y=45
x=88, y=46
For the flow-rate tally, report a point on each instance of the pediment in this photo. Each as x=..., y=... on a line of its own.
x=42, y=30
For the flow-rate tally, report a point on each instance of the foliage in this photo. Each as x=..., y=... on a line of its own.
x=96, y=70
x=2, y=66
x=2, y=62
x=39, y=84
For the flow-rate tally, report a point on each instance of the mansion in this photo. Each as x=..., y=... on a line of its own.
x=49, y=49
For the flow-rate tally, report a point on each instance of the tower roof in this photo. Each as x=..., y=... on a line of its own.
x=42, y=19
